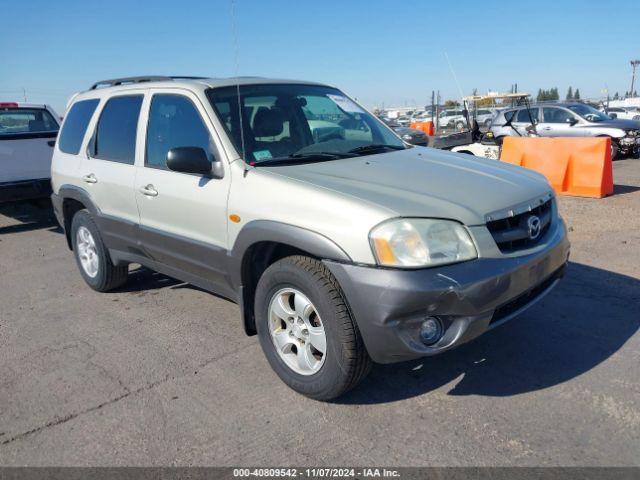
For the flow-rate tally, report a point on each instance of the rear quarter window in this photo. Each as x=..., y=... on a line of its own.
x=75, y=125
x=26, y=122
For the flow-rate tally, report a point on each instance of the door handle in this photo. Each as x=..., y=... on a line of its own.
x=91, y=178
x=51, y=143
x=149, y=191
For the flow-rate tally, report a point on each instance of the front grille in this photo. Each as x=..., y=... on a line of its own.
x=512, y=234
x=509, y=308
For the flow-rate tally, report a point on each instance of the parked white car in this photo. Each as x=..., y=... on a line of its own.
x=27, y=135
x=452, y=118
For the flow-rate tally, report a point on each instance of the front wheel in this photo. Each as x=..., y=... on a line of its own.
x=306, y=331
x=615, y=150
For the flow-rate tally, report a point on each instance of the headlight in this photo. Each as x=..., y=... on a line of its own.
x=407, y=136
x=421, y=242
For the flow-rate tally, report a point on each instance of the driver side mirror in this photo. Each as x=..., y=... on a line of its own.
x=613, y=115
x=193, y=160
x=572, y=121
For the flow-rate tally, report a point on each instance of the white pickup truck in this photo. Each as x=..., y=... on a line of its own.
x=27, y=135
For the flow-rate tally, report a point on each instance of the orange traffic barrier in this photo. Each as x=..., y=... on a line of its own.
x=426, y=127
x=574, y=166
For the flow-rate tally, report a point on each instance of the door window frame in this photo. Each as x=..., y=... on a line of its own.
x=97, y=115
x=205, y=116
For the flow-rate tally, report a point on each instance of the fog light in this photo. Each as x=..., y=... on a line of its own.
x=430, y=330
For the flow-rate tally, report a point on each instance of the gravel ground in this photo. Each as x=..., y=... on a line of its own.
x=160, y=373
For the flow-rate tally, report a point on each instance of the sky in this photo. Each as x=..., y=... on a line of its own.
x=384, y=53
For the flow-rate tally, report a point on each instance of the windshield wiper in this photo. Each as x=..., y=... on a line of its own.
x=374, y=148
x=302, y=158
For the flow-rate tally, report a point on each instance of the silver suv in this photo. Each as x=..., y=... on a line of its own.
x=568, y=120
x=341, y=248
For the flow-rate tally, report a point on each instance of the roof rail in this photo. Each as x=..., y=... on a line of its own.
x=150, y=78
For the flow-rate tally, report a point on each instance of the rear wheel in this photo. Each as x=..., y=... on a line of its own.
x=306, y=330
x=92, y=257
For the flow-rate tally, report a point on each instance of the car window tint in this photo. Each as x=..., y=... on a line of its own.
x=174, y=122
x=523, y=115
x=25, y=121
x=115, y=138
x=75, y=125
x=556, y=115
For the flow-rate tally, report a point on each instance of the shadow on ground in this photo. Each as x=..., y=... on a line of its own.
x=587, y=318
x=32, y=215
x=623, y=189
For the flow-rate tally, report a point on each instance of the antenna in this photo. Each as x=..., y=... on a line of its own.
x=634, y=64
x=455, y=78
x=234, y=35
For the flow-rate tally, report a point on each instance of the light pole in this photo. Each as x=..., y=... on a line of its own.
x=634, y=64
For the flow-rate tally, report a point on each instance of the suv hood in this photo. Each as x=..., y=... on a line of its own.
x=425, y=182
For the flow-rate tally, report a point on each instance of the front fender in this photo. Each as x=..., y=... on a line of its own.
x=258, y=231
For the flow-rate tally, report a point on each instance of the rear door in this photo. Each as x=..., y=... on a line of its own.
x=27, y=136
x=522, y=120
x=108, y=172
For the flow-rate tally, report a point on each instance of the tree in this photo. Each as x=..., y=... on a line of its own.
x=635, y=93
x=570, y=94
x=576, y=96
x=539, y=97
x=451, y=103
x=554, y=94
x=616, y=96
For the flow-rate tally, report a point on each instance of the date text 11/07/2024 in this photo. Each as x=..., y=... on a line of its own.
x=316, y=472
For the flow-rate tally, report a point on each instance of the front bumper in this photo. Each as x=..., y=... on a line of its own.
x=469, y=298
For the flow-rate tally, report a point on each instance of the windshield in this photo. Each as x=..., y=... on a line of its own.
x=589, y=113
x=291, y=121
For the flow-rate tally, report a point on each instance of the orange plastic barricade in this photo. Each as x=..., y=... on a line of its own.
x=574, y=166
x=426, y=127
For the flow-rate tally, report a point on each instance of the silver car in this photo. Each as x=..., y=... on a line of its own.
x=340, y=249
x=568, y=120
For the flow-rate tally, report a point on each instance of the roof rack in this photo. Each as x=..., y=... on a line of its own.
x=144, y=79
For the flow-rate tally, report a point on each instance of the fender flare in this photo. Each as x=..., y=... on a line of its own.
x=301, y=238
x=76, y=193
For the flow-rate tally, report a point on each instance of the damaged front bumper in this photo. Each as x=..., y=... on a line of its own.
x=469, y=298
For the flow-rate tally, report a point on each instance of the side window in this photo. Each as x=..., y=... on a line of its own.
x=556, y=115
x=75, y=125
x=174, y=122
x=115, y=138
x=523, y=115
x=508, y=116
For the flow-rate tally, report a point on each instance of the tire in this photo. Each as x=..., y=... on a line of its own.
x=106, y=275
x=615, y=150
x=345, y=361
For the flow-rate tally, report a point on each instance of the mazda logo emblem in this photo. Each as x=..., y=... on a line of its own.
x=533, y=227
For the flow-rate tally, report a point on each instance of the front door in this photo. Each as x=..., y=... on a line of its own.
x=183, y=217
x=559, y=122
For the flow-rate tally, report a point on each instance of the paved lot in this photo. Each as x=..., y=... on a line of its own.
x=160, y=373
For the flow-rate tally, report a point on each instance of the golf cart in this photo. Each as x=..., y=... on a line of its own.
x=484, y=144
